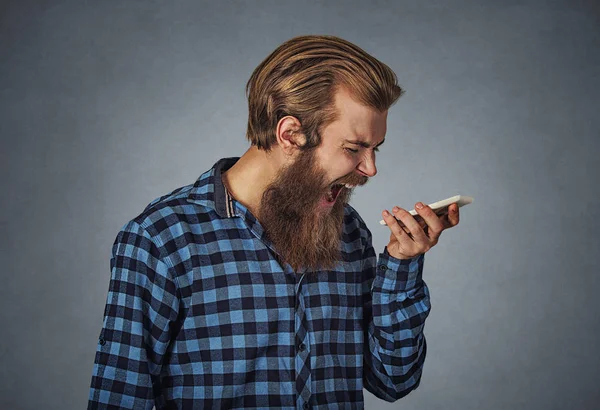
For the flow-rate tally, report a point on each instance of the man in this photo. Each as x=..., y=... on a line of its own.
x=258, y=285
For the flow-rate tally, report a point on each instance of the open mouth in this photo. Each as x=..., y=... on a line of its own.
x=334, y=192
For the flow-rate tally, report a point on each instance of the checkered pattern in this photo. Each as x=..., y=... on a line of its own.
x=200, y=315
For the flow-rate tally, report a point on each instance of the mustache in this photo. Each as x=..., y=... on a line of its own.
x=356, y=180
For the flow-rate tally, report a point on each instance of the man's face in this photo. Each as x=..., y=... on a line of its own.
x=349, y=144
x=302, y=210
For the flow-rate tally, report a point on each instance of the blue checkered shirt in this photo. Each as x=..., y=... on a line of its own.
x=200, y=314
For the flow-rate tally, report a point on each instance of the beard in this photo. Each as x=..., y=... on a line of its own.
x=305, y=232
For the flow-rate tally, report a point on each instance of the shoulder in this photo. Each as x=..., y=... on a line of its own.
x=162, y=219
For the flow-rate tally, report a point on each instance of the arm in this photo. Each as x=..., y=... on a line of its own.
x=396, y=304
x=141, y=305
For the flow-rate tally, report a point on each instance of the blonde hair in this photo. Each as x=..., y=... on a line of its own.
x=299, y=79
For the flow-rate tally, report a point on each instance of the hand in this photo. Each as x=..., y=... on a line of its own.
x=417, y=237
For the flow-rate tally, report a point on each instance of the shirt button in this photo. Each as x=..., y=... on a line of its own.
x=383, y=267
x=306, y=405
x=102, y=341
x=302, y=347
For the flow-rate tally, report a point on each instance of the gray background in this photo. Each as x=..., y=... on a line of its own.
x=108, y=105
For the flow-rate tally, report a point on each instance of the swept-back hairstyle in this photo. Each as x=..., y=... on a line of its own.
x=299, y=79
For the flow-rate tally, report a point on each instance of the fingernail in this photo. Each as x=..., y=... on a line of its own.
x=386, y=213
x=419, y=205
x=396, y=209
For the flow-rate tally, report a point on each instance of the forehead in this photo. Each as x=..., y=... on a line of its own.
x=356, y=120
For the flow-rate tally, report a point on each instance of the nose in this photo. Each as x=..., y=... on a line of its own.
x=367, y=166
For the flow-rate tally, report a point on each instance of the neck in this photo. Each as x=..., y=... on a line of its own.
x=248, y=178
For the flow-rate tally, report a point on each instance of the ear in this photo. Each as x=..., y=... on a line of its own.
x=289, y=137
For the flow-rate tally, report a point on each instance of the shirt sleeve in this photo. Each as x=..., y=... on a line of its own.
x=396, y=304
x=141, y=307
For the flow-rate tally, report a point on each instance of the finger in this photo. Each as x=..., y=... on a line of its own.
x=421, y=221
x=436, y=226
x=445, y=221
x=413, y=226
x=441, y=212
x=398, y=231
x=453, y=215
x=405, y=228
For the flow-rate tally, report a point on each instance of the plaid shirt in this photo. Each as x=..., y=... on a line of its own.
x=200, y=315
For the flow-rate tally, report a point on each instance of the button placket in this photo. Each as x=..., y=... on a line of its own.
x=303, y=364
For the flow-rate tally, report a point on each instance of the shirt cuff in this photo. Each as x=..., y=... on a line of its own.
x=400, y=274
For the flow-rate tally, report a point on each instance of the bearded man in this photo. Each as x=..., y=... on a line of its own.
x=258, y=285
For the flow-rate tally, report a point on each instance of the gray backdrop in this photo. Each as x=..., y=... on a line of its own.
x=108, y=105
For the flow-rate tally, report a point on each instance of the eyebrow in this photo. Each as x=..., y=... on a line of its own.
x=363, y=143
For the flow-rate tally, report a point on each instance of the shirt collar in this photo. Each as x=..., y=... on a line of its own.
x=209, y=190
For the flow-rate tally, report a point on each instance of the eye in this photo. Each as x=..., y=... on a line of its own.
x=352, y=151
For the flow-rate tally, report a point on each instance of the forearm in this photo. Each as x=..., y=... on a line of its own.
x=394, y=334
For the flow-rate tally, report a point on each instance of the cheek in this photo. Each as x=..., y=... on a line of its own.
x=344, y=166
x=338, y=164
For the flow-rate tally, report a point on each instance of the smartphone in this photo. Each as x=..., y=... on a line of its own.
x=440, y=207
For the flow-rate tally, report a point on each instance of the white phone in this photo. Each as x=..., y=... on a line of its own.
x=441, y=207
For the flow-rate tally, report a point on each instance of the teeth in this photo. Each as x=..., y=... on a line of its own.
x=349, y=186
